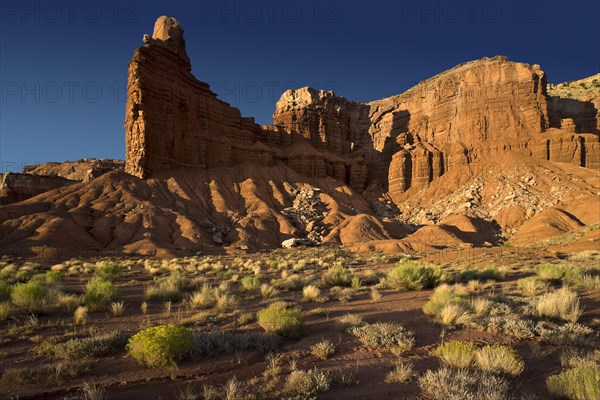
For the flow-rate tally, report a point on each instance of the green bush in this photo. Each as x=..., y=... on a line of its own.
x=491, y=273
x=108, y=270
x=337, y=276
x=161, y=346
x=277, y=318
x=553, y=272
x=32, y=296
x=575, y=384
x=250, y=283
x=99, y=294
x=410, y=275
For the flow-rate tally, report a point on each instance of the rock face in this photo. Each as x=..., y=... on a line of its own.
x=81, y=170
x=15, y=187
x=467, y=116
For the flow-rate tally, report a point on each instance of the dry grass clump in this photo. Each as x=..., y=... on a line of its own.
x=384, y=335
x=6, y=309
x=375, y=295
x=251, y=283
x=449, y=305
x=80, y=315
x=495, y=359
x=322, y=350
x=203, y=299
x=457, y=354
x=499, y=359
x=575, y=359
x=343, y=295
x=117, y=308
x=463, y=384
x=225, y=301
x=531, y=286
x=563, y=304
x=267, y=291
x=401, y=373
x=311, y=293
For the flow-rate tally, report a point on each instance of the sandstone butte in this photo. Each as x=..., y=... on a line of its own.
x=476, y=155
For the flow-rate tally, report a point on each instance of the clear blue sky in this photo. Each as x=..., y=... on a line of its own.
x=64, y=64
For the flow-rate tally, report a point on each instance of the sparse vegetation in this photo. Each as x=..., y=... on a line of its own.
x=457, y=354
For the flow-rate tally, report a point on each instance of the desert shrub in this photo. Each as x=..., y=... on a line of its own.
x=32, y=296
x=277, y=318
x=463, y=384
x=4, y=291
x=337, y=276
x=81, y=348
x=306, y=385
x=531, y=286
x=569, y=334
x=401, y=373
x=291, y=282
x=552, y=272
x=563, y=304
x=160, y=346
x=356, y=283
x=47, y=375
x=6, y=308
x=384, y=335
x=499, y=359
x=410, y=275
x=50, y=278
x=574, y=359
x=581, y=383
x=491, y=273
x=349, y=321
x=457, y=354
x=445, y=295
x=107, y=270
x=343, y=295
x=322, y=350
x=99, y=293
x=250, y=283
x=212, y=343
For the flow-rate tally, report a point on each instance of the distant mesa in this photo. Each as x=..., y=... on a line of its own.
x=464, y=158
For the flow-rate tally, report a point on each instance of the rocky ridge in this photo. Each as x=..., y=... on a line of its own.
x=467, y=157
